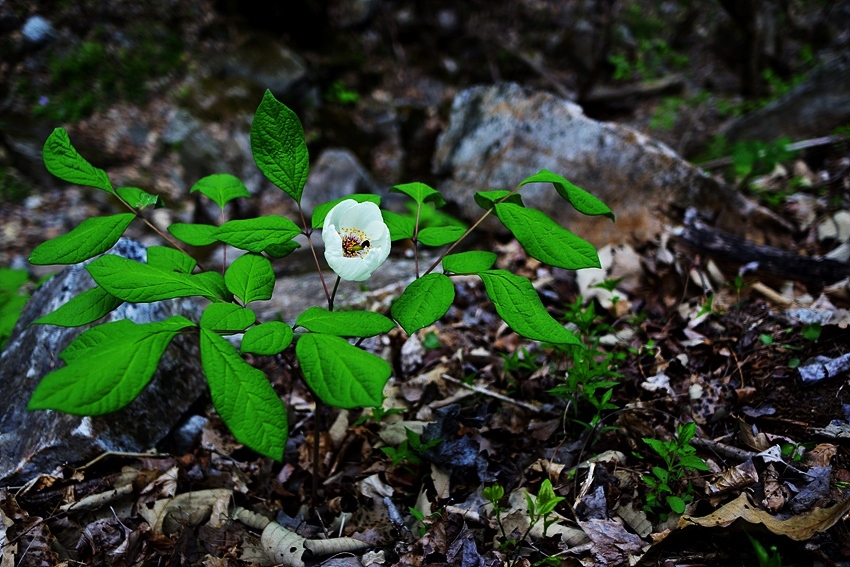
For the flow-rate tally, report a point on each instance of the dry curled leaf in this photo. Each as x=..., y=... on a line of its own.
x=798, y=528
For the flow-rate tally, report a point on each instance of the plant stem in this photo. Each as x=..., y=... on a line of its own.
x=333, y=294
x=308, y=232
x=469, y=230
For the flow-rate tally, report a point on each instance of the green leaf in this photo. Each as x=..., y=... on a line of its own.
x=470, y=262
x=420, y=193
x=676, y=504
x=321, y=211
x=255, y=235
x=546, y=498
x=518, y=304
x=267, y=339
x=221, y=188
x=278, y=145
x=243, y=397
x=440, y=235
x=686, y=433
x=340, y=374
x=91, y=237
x=544, y=239
x=423, y=302
x=63, y=161
x=137, y=198
x=486, y=199
x=344, y=323
x=108, y=368
x=658, y=446
x=82, y=309
x=227, y=318
x=213, y=283
x=140, y=283
x=693, y=462
x=250, y=278
x=170, y=259
x=580, y=199
x=194, y=234
x=282, y=250
x=401, y=226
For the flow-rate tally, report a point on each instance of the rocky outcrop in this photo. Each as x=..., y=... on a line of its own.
x=499, y=135
x=813, y=108
x=39, y=442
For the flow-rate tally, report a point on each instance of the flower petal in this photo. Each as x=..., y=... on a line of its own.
x=363, y=222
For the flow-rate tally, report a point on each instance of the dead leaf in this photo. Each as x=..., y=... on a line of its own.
x=798, y=528
x=734, y=478
x=612, y=543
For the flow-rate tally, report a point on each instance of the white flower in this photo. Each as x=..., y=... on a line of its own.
x=356, y=239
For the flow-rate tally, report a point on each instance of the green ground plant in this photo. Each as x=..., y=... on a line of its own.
x=668, y=489
x=108, y=365
x=13, y=297
x=539, y=509
x=591, y=374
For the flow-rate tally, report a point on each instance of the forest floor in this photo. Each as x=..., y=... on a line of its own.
x=706, y=422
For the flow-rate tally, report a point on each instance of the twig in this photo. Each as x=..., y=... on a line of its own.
x=723, y=449
x=486, y=392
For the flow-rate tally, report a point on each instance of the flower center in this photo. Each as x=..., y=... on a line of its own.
x=354, y=243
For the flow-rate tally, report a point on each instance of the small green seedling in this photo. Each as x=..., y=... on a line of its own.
x=409, y=450
x=680, y=459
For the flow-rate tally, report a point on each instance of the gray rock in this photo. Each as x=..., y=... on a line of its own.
x=499, y=135
x=337, y=173
x=813, y=108
x=38, y=442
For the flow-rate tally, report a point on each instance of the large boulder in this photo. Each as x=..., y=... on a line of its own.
x=499, y=135
x=40, y=441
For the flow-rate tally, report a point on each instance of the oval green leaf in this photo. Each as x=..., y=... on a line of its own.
x=255, y=235
x=170, y=259
x=423, y=302
x=194, y=234
x=344, y=323
x=547, y=241
x=250, y=278
x=440, y=235
x=82, y=309
x=278, y=145
x=227, y=318
x=518, y=304
x=244, y=398
x=401, y=226
x=581, y=200
x=91, y=237
x=340, y=374
x=420, y=192
x=140, y=283
x=107, y=369
x=221, y=188
x=267, y=339
x=470, y=262
x=63, y=161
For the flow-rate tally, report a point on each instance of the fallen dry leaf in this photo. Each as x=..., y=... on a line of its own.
x=798, y=528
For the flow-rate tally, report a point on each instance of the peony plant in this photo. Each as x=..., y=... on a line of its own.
x=107, y=366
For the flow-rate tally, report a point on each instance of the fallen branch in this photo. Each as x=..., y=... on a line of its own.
x=726, y=247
